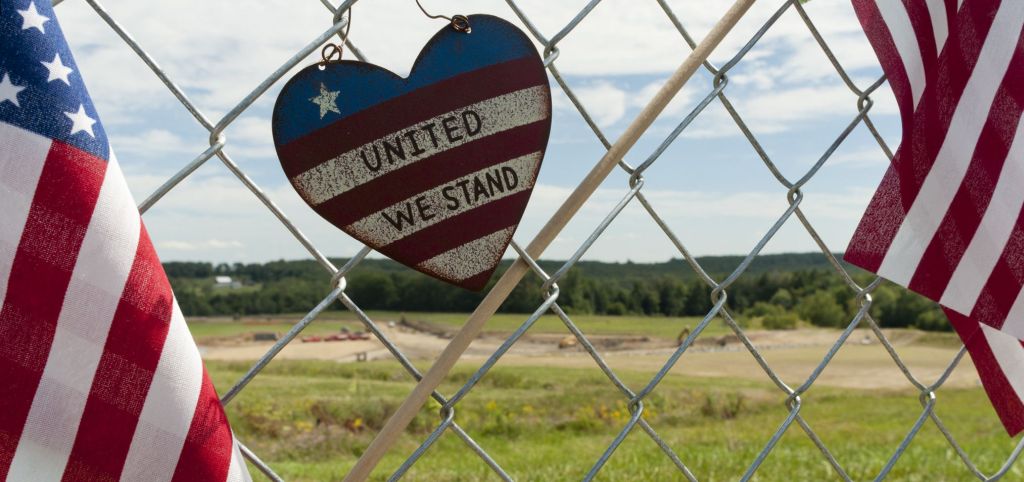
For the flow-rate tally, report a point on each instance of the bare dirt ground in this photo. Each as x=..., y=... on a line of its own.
x=793, y=355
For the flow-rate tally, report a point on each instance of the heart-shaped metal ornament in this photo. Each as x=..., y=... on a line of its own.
x=434, y=170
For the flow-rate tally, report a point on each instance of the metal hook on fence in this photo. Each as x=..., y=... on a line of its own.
x=459, y=22
x=332, y=52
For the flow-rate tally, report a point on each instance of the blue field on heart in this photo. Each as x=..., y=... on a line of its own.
x=362, y=85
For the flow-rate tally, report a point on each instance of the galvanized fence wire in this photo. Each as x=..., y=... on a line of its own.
x=634, y=398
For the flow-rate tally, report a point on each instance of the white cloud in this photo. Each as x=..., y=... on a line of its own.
x=605, y=102
x=216, y=218
x=250, y=136
x=777, y=110
x=153, y=141
x=608, y=103
x=218, y=50
x=867, y=157
x=616, y=59
x=708, y=222
x=683, y=100
x=218, y=59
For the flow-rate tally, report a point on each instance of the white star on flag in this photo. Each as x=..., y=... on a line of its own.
x=57, y=70
x=9, y=91
x=327, y=100
x=32, y=18
x=81, y=122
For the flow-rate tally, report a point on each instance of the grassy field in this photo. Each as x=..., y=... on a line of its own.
x=551, y=417
x=311, y=419
x=654, y=326
x=329, y=322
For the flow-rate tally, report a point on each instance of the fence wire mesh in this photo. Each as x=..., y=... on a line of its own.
x=634, y=397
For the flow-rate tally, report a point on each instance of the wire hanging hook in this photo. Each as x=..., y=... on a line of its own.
x=459, y=22
x=332, y=52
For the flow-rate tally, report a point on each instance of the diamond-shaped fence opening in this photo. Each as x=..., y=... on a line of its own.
x=793, y=396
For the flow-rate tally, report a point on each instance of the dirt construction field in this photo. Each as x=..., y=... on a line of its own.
x=861, y=363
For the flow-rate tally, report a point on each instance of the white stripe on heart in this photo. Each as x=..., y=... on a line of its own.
x=470, y=259
x=382, y=232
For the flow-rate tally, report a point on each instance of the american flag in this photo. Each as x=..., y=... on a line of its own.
x=99, y=376
x=946, y=220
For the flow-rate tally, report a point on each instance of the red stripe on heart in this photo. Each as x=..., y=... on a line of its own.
x=384, y=191
x=365, y=126
x=477, y=282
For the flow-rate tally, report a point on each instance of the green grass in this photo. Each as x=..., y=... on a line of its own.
x=310, y=421
x=329, y=322
x=654, y=326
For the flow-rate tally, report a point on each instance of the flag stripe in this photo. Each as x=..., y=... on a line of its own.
x=92, y=296
x=1014, y=324
x=885, y=48
x=896, y=18
x=950, y=164
x=974, y=253
x=1008, y=404
x=952, y=10
x=1009, y=354
x=921, y=20
x=472, y=191
x=21, y=163
x=235, y=471
x=208, y=447
x=1001, y=289
x=939, y=23
x=170, y=405
x=961, y=222
x=974, y=268
x=901, y=183
x=947, y=170
x=126, y=369
x=382, y=192
x=68, y=187
x=352, y=168
x=429, y=101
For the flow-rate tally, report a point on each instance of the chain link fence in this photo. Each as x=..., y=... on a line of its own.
x=861, y=104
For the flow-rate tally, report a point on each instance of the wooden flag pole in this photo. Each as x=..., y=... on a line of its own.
x=412, y=405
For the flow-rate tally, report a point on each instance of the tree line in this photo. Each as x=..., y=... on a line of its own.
x=780, y=290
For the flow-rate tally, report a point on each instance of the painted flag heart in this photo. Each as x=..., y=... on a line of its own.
x=434, y=170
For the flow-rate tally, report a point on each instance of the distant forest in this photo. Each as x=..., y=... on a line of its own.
x=780, y=290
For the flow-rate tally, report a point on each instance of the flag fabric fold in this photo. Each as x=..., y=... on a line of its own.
x=99, y=376
x=946, y=220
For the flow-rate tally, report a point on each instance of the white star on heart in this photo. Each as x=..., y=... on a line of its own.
x=57, y=70
x=9, y=91
x=32, y=18
x=81, y=122
x=327, y=100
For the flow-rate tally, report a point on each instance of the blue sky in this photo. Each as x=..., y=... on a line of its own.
x=710, y=186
